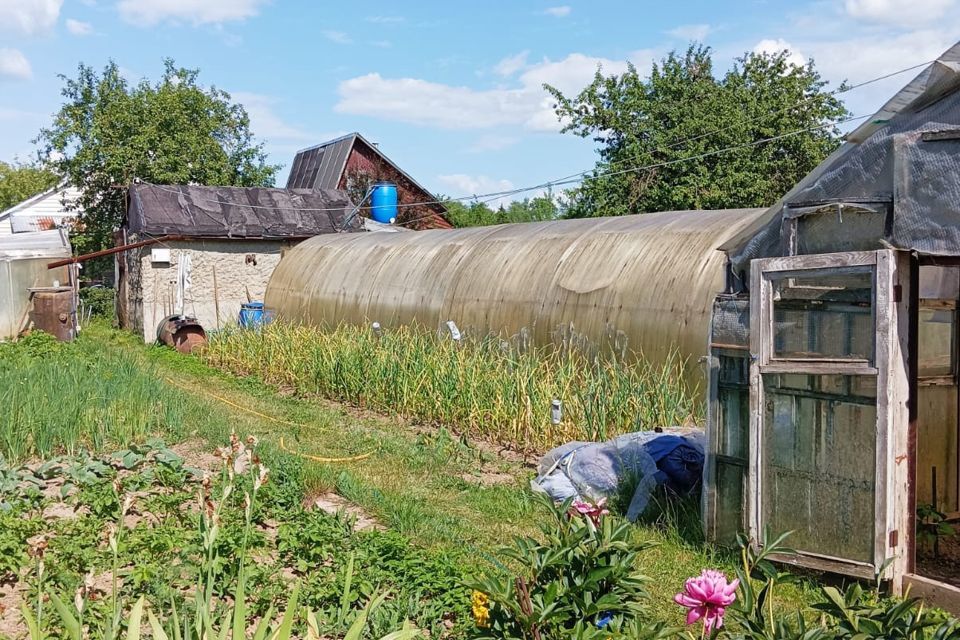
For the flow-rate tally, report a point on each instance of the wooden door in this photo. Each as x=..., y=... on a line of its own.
x=828, y=409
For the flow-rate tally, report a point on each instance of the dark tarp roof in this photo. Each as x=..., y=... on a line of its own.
x=236, y=212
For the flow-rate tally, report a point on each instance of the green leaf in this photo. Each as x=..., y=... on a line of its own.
x=70, y=623
x=31, y=622
x=136, y=616
x=285, y=629
x=264, y=625
x=345, y=596
x=156, y=627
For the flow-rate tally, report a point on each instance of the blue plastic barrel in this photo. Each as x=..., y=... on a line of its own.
x=384, y=201
x=251, y=315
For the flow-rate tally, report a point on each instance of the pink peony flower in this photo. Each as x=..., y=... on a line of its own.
x=592, y=511
x=707, y=596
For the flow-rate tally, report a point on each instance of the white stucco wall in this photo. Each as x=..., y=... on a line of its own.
x=234, y=276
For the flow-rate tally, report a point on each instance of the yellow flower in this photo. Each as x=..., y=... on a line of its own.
x=481, y=612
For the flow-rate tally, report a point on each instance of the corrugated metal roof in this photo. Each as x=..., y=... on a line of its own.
x=40, y=244
x=236, y=212
x=321, y=166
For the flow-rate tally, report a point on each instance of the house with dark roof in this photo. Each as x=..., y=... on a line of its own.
x=353, y=164
x=206, y=250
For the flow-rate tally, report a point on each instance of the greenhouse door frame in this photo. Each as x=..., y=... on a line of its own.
x=893, y=526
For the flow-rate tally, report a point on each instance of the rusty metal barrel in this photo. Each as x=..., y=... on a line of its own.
x=54, y=312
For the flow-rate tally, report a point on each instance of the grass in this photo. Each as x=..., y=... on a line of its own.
x=426, y=484
x=487, y=388
x=60, y=397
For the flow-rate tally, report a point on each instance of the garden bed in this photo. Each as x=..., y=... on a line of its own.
x=130, y=524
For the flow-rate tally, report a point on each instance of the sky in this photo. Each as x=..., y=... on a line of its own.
x=451, y=91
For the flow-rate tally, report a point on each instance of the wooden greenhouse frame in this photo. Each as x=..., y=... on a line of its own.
x=833, y=354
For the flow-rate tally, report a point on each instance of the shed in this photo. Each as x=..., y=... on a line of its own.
x=44, y=211
x=23, y=266
x=210, y=249
x=833, y=395
x=353, y=163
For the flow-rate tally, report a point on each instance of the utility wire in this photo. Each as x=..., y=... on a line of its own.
x=577, y=177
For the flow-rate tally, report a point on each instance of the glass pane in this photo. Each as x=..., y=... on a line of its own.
x=939, y=283
x=728, y=519
x=936, y=342
x=819, y=450
x=734, y=422
x=824, y=316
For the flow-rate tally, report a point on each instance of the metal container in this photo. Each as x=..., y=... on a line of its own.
x=53, y=311
x=183, y=333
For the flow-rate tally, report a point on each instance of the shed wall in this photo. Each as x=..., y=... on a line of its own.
x=368, y=163
x=152, y=287
x=635, y=283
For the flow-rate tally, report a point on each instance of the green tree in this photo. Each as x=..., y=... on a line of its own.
x=110, y=132
x=21, y=181
x=681, y=115
x=479, y=214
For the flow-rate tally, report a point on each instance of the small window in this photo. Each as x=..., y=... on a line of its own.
x=824, y=316
x=936, y=343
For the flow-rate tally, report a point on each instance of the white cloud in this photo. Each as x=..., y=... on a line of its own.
x=338, y=37
x=559, y=12
x=383, y=44
x=29, y=17
x=13, y=64
x=385, y=19
x=865, y=56
x=422, y=102
x=511, y=64
x=773, y=46
x=78, y=28
x=698, y=32
x=492, y=142
x=899, y=12
x=147, y=13
x=265, y=122
x=464, y=185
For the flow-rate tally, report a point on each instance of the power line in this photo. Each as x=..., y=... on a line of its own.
x=667, y=163
x=577, y=177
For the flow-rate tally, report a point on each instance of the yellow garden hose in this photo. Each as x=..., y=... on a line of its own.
x=278, y=421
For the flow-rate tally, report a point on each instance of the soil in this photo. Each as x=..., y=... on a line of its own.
x=195, y=454
x=332, y=503
x=11, y=625
x=944, y=567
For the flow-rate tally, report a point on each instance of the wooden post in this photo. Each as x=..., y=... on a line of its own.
x=216, y=297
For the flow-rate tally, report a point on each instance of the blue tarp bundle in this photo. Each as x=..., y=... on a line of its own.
x=595, y=470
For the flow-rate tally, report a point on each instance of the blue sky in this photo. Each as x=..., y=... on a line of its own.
x=450, y=90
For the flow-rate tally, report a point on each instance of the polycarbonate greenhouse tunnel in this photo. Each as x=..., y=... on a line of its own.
x=638, y=284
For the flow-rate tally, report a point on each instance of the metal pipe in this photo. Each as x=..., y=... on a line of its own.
x=111, y=251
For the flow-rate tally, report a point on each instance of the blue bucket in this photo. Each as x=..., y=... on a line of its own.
x=252, y=315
